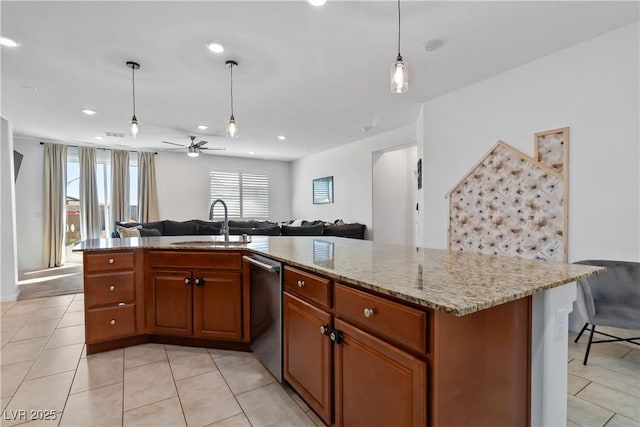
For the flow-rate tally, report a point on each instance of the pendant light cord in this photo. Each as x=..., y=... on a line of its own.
x=399, y=29
x=231, y=67
x=133, y=79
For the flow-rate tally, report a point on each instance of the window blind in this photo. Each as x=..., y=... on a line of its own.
x=246, y=195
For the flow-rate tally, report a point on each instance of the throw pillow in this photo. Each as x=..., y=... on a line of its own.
x=128, y=231
x=149, y=232
x=296, y=223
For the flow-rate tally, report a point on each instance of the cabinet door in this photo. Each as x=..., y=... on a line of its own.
x=376, y=383
x=307, y=354
x=172, y=312
x=217, y=305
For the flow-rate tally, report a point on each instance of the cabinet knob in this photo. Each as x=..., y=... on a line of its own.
x=199, y=282
x=368, y=312
x=113, y=321
x=300, y=283
x=110, y=261
x=324, y=330
x=112, y=288
x=187, y=281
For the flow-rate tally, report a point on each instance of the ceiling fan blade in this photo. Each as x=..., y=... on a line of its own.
x=200, y=143
x=172, y=143
x=213, y=148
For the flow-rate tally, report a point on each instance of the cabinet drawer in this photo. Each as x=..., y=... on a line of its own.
x=307, y=285
x=400, y=323
x=208, y=259
x=110, y=322
x=108, y=261
x=109, y=288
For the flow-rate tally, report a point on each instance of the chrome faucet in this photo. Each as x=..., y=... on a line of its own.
x=225, y=225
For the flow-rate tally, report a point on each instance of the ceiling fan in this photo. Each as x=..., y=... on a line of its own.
x=193, y=149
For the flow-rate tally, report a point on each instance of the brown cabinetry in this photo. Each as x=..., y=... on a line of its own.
x=114, y=305
x=196, y=302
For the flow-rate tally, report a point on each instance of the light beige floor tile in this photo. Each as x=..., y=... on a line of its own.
x=55, y=360
x=147, y=384
x=15, y=322
x=78, y=297
x=167, y=413
x=633, y=356
x=626, y=383
x=189, y=361
x=624, y=366
x=296, y=398
x=59, y=300
x=6, y=335
x=23, y=308
x=99, y=370
x=3, y=402
x=98, y=407
x=611, y=399
x=6, y=305
x=215, y=353
x=239, y=420
x=143, y=354
x=84, y=352
x=572, y=424
x=74, y=318
x=11, y=376
x=622, y=421
x=21, y=351
x=36, y=329
x=66, y=336
x=243, y=373
x=577, y=350
x=76, y=306
x=272, y=406
x=49, y=313
x=315, y=419
x=46, y=393
x=206, y=399
x=585, y=413
x=576, y=383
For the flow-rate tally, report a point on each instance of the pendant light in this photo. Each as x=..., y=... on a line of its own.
x=134, y=120
x=232, y=128
x=399, y=72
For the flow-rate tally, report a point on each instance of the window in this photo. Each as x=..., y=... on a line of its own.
x=323, y=190
x=246, y=195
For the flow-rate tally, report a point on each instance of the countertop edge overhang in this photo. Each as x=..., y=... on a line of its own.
x=458, y=283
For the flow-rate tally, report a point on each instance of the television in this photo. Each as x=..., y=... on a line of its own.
x=17, y=161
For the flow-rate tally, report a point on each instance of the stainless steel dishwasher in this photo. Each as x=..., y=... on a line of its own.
x=266, y=312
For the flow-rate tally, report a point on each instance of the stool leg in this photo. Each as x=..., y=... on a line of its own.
x=581, y=332
x=586, y=354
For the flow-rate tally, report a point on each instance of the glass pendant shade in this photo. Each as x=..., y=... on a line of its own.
x=134, y=126
x=232, y=128
x=399, y=76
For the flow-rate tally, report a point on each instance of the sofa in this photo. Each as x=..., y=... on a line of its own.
x=239, y=227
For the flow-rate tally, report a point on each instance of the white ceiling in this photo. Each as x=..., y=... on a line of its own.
x=317, y=75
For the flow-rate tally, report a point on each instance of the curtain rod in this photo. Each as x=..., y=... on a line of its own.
x=102, y=148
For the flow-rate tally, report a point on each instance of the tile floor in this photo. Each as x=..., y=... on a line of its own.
x=43, y=369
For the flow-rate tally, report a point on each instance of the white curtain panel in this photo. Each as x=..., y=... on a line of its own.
x=89, y=208
x=147, y=190
x=55, y=188
x=120, y=210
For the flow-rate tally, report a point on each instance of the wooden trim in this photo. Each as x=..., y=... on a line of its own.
x=199, y=342
x=246, y=302
x=117, y=343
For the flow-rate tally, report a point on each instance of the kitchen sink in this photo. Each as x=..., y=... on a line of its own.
x=233, y=241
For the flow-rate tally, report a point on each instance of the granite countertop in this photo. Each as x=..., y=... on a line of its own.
x=458, y=283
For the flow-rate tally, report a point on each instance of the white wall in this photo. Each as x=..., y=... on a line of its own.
x=30, y=204
x=394, y=189
x=351, y=168
x=183, y=184
x=8, y=264
x=591, y=87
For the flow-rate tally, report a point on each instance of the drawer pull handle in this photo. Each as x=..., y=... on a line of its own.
x=368, y=312
x=113, y=321
x=121, y=304
x=300, y=283
x=112, y=288
x=110, y=260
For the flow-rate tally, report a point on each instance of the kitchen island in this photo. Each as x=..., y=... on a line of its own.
x=373, y=333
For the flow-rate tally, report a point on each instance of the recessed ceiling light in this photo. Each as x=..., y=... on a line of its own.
x=281, y=137
x=97, y=137
x=252, y=152
x=88, y=111
x=203, y=127
x=432, y=45
x=215, y=47
x=317, y=2
x=4, y=41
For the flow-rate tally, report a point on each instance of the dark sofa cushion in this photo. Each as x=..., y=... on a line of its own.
x=208, y=230
x=312, y=230
x=262, y=231
x=353, y=231
x=175, y=228
x=149, y=232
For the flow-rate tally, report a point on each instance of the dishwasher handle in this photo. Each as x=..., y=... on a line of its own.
x=263, y=265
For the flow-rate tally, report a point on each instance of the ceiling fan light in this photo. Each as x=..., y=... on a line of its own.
x=193, y=152
x=399, y=76
x=232, y=128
